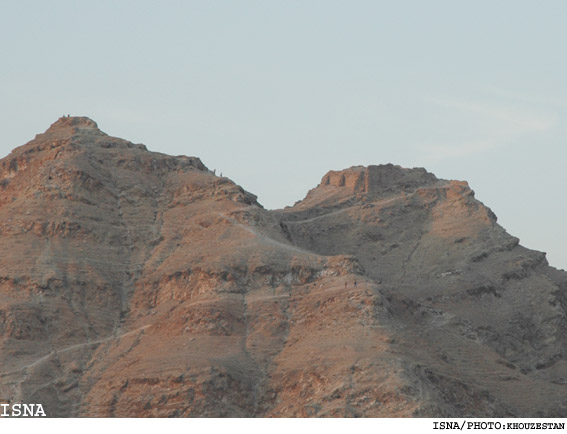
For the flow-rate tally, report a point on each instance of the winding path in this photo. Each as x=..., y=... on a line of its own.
x=72, y=347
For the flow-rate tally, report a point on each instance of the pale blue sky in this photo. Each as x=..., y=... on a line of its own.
x=274, y=94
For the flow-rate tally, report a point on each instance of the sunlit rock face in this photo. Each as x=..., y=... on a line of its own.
x=138, y=284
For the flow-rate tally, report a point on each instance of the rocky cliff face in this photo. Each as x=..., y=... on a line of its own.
x=134, y=283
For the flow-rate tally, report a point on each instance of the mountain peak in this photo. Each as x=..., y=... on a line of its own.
x=70, y=125
x=74, y=121
x=75, y=131
x=377, y=179
x=366, y=182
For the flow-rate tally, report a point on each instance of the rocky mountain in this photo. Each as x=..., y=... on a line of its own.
x=134, y=283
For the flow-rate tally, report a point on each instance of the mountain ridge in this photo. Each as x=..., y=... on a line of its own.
x=141, y=284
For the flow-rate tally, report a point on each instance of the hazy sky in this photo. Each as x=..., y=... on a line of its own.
x=276, y=93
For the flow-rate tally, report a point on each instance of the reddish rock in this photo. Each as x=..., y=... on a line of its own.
x=139, y=284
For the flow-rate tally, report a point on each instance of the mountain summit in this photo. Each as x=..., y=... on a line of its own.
x=137, y=284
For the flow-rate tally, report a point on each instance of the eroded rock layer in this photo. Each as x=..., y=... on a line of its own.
x=134, y=283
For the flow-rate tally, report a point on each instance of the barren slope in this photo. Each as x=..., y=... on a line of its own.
x=134, y=283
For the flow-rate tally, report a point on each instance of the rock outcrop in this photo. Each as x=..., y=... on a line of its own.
x=134, y=283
